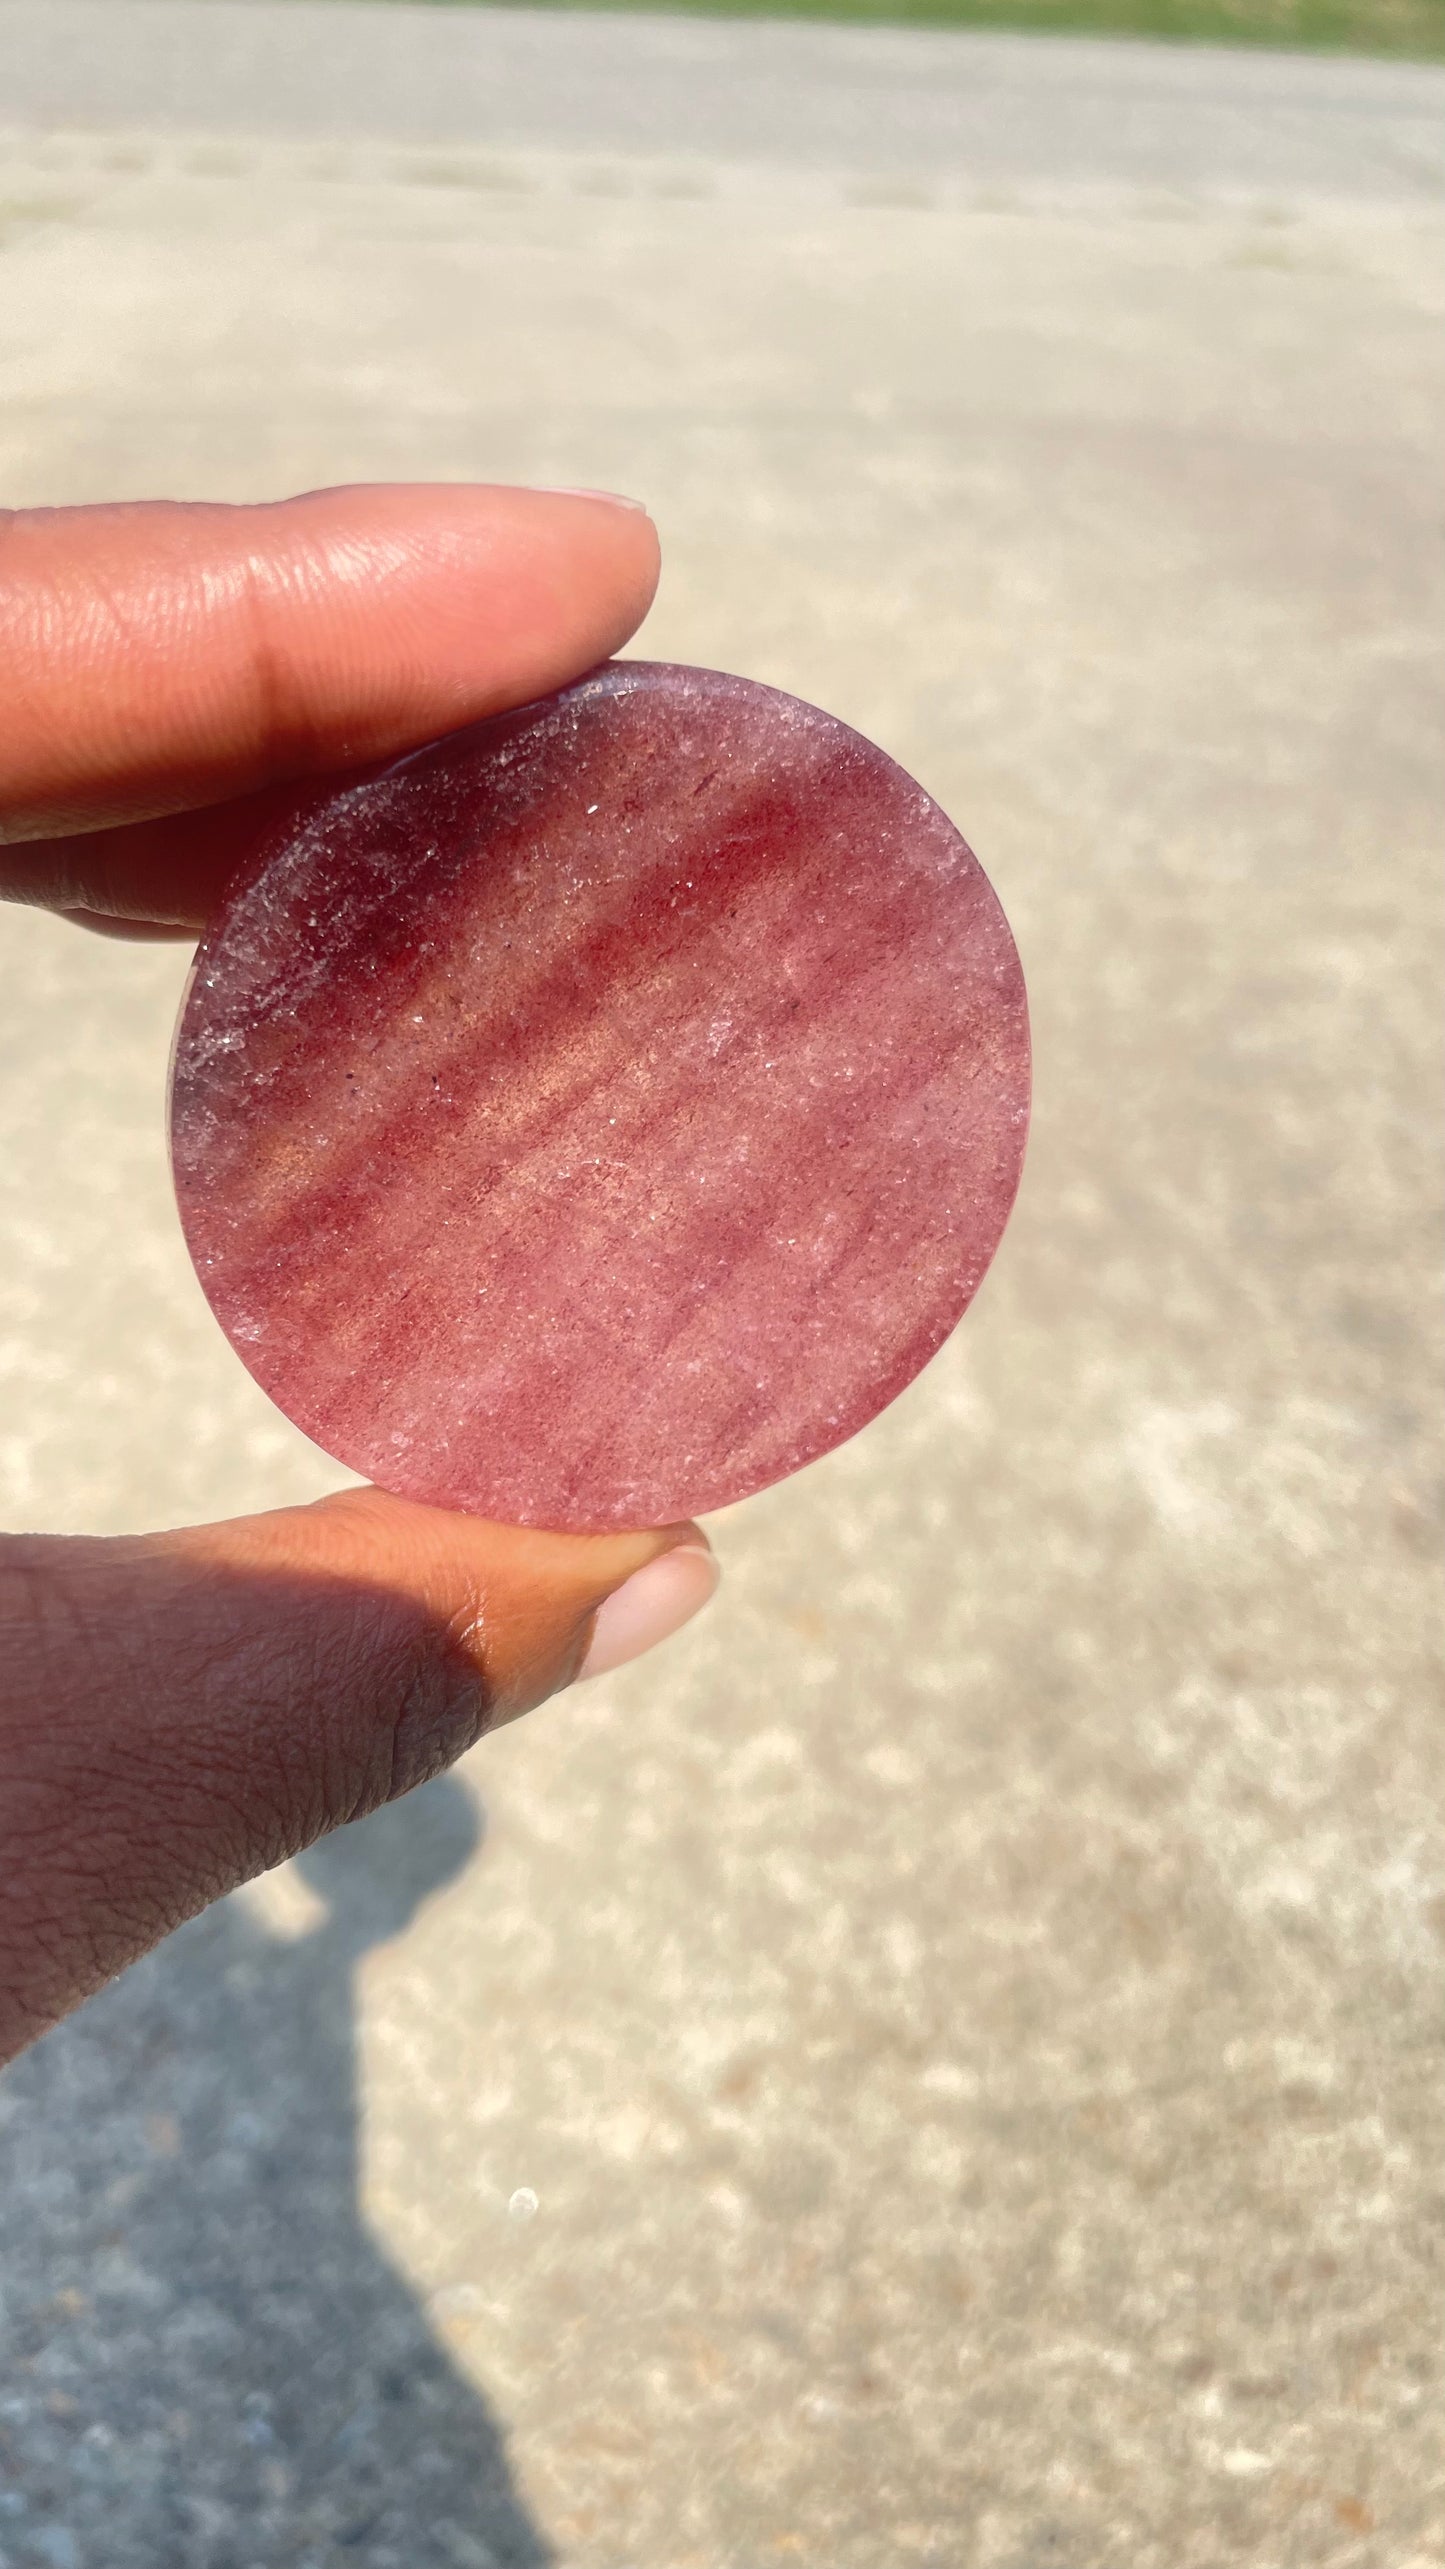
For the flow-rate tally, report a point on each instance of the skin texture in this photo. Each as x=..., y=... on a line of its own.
x=181, y=1711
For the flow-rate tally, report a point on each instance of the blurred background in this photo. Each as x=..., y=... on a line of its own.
x=940, y=2064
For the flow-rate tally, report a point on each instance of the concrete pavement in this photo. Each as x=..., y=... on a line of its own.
x=922, y=106
x=942, y=2064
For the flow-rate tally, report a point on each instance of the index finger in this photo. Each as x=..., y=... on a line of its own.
x=161, y=656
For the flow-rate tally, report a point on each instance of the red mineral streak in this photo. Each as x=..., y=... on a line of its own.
x=605, y=1110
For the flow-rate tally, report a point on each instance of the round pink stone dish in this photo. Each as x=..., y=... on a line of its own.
x=606, y=1110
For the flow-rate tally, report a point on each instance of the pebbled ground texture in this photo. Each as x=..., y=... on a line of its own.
x=942, y=2063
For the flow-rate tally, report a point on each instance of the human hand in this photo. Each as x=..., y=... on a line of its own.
x=181, y=1711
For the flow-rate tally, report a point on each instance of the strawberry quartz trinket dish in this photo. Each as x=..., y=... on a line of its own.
x=604, y=1111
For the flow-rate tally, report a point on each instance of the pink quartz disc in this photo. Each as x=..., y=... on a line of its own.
x=605, y=1110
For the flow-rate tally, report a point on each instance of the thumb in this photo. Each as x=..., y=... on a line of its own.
x=180, y=1712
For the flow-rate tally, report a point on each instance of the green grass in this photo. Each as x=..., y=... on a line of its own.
x=1411, y=28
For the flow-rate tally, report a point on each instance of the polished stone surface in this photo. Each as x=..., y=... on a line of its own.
x=607, y=1111
x=968, y=2011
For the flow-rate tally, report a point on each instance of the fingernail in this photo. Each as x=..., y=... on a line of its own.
x=654, y=1602
x=614, y=499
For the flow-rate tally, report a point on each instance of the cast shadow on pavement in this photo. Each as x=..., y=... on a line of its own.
x=206, y=2360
